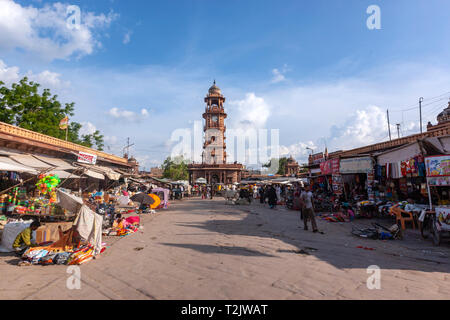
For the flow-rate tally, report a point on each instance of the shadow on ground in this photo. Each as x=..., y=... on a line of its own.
x=241, y=251
x=336, y=247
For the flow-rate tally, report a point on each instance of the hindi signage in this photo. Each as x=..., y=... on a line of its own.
x=330, y=167
x=84, y=157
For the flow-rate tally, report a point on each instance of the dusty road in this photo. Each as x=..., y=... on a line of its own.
x=205, y=249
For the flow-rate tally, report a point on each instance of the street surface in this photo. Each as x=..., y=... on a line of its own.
x=206, y=249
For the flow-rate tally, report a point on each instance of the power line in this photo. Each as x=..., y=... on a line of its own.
x=413, y=107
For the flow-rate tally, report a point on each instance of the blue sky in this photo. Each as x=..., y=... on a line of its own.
x=309, y=68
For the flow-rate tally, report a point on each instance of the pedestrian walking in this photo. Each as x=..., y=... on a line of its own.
x=261, y=194
x=308, y=209
x=272, y=195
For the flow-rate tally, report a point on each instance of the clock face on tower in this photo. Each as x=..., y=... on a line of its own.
x=214, y=118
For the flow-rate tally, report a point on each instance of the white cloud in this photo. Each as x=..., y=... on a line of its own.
x=87, y=128
x=297, y=150
x=129, y=116
x=8, y=74
x=277, y=76
x=363, y=127
x=351, y=112
x=46, y=78
x=251, y=112
x=127, y=37
x=44, y=32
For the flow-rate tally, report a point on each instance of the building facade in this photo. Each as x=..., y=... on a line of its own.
x=292, y=167
x=214, y=167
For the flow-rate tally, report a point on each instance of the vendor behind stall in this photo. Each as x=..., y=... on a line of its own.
x=23, y=239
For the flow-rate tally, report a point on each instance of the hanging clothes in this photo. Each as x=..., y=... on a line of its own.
x=89, y=226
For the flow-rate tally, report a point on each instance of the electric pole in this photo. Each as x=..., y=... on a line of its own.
x=420, y=110
x=127, y=147
x=398, y=130
x=389, y=125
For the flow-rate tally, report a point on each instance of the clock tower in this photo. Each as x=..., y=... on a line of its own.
x=214, y=167
x=214, y=128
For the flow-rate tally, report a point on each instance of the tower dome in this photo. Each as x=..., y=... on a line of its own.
x=444, y=116
x=214, y=89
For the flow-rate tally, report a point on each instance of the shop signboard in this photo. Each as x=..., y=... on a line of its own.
x=330, y=166
x=356, y=165
x=438, y=166
x=337, y=183
x=88, y=158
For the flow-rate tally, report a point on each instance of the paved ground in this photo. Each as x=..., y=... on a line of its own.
x=205, y=249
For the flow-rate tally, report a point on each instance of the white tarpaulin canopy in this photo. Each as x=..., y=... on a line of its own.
x=94, y=174
x=63, y=174
x=30, y=161
x=59, y=163
x=89, y=226
x=399, y=154
x=7, y=164
x=103, y=171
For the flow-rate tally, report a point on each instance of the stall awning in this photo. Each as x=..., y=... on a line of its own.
x=30, y=161
x=94, y=174
x=402, y=153
x=104, y=171
x=7, y=164
x=110, y=173
x=64, y=174
x=59, y=163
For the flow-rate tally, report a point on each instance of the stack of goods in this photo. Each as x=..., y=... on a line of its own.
x=123, y=227
x=346, y=214
x=45, y=204
x=48, y=256
x=98, y=197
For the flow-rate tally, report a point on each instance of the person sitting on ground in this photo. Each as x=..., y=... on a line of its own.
x=23, y=239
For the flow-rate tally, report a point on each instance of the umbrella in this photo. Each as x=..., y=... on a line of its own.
x=156, y=200
x=200, y=180
x=142, y=198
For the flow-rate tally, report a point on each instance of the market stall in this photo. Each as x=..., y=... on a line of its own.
x=438, y=178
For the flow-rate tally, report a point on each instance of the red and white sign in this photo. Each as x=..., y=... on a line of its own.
x=87, y=157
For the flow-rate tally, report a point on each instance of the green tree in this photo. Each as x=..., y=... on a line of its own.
x=281, y=165
x=22, y=105
x=175, y=169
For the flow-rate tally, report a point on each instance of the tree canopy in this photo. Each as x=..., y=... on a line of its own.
x=281, y=165
x=24, y=106
x=175, y=169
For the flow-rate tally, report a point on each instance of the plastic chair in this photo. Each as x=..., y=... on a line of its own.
x=403, y=216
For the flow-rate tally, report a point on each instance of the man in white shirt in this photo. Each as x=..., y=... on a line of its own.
x=308, y=208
